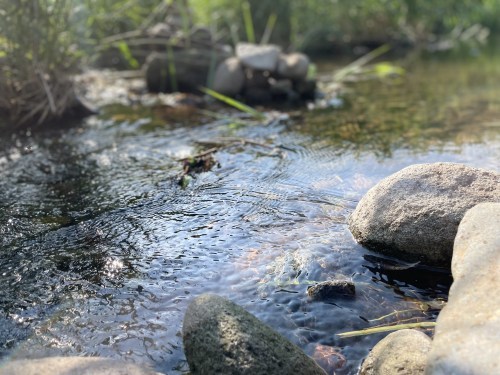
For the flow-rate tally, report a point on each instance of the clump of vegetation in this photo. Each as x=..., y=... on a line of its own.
x=39, y=58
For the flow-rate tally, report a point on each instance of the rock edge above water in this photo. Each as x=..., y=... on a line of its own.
x=415, y=212
x=221, y=337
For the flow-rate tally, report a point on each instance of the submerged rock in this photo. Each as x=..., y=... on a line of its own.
x=402, y=352
x=467, y=337
x=220, y=337
x=415, y=212
x=331, y=289
x=73, y=366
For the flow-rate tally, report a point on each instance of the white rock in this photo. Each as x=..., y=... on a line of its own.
x=402, y=352
x=258, y=57
x=467, y=337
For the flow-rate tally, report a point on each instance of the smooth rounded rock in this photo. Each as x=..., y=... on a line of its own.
x=294, y=66
x=229, y=77
x=415, y=212
x=467, y=337
x=258, y=57
x=220, y=337
x=402, y=352
x=73, y=366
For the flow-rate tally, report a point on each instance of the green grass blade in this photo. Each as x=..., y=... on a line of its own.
x=247, y=19
x=268, y=31
x=233, y=103
x=397, y=327
x=171, y=68
x=356, y=65
x=127, y=55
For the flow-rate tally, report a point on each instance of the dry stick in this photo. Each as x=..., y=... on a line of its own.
x=201, y=154
x=46, y=87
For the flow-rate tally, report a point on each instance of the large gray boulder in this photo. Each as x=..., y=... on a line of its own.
x=402, y=352
x=258, y=57
x=229, y=77
x=467, y=337
x=415, y=212
x=72, y=366
x=220, y=337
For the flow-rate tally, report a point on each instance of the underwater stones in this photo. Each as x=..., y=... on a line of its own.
x=402, y=352
x=220, y=337
x=467, y=336
x=331, y=289
x=258, y=57
x=73, y=366
x=229, y=77
x=415, y=212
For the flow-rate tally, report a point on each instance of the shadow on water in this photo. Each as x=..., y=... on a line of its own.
x=101, y=249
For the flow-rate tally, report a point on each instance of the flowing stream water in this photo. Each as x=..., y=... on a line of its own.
x=101, y=250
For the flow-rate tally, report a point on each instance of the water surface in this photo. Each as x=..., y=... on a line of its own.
x=101, y=250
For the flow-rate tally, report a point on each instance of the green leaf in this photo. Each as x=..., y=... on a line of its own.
x=233, y=103
x=125, y=51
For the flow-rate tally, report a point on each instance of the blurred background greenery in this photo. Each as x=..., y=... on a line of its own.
x=44, y=42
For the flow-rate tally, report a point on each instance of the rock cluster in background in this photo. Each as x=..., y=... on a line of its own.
x=262, y=73
x=257, y=74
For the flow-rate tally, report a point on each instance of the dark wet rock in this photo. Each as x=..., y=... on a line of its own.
x=415, y=212
x=256, y=95
x=402, y=352
x=281, y=88
x=191, y=67
x=258, y=57
x=73, y=366
x=467, y=339
x=257, y=79
x=229, y=77
x=306, y=89
x=331, y=289
x=220, y=337
x=294, y=66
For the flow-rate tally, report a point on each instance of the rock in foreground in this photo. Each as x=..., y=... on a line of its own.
x=400, y=353
x=467, y=338
x=415, y=212
x=220, y=337
x=73, y=366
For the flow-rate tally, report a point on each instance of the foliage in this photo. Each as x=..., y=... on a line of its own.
x=39, y=54
x=340, y=21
